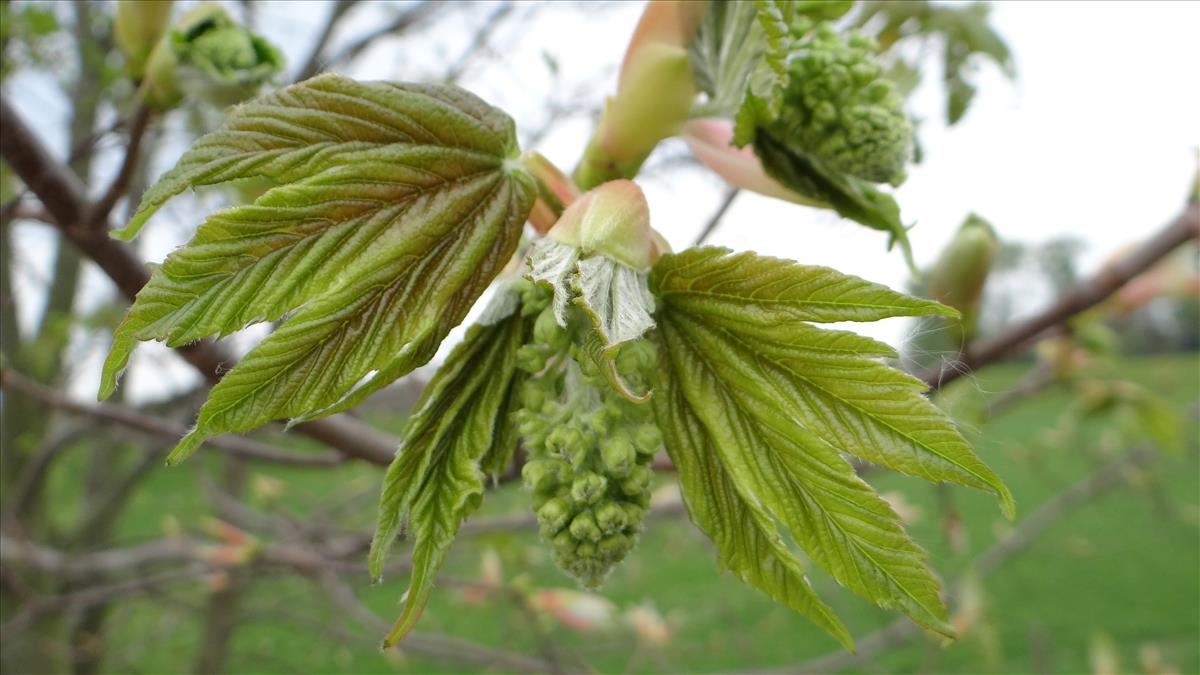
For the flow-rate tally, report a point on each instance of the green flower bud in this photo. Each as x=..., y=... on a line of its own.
x=553, y=516
x=611, y=518
x=564, y=543
x=138, y=27
x=638, y=481
x=536, y=475
x=531, y=358
x=839, y=108
x=584, y=527
x=589, y=488
x=634, y=514
x=617, y=455
x=647, y=439
x=613, y=549
x=547, y=332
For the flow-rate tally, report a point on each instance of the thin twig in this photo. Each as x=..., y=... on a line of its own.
x=479, y=43
x=716, y=217
x=398, y=25
x=313, y=64
x=243, y=447
x=98, y=213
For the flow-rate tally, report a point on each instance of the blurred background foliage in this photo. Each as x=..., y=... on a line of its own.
x=112, y=564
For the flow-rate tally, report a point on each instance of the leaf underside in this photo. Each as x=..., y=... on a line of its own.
x=760, y=403
x=395, y=208
x=460, y=425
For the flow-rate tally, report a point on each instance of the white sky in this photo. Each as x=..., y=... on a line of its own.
x=1096, y=139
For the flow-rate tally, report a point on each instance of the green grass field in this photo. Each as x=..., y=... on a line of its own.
x=1126, y=565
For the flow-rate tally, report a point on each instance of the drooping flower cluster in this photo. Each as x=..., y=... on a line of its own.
x=590, y=447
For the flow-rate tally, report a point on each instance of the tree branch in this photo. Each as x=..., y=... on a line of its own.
x=401, y=23
x=313, y=65
x=63, y=195
x=715, y=219
x=479, y=42
x=107, y=412
x=1086, y=295
x=98, y=213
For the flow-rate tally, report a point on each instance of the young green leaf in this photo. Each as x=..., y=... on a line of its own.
x=747, y=406
x=398, y=204
x=764, y=291
x=747, y=538
x=851, y=197
x=779, y=401
x=436, y=480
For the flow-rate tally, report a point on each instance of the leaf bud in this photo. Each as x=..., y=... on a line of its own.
x=137, y=29
x=612, y=219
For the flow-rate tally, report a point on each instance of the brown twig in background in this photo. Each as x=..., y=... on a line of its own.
x=479, y=43
x=715, y=219
x=313, y=64
x=401, y=23
x=97, y=213
x=236, y=445
x=1184, y=228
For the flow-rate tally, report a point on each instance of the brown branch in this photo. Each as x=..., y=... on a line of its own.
x=715, y=219
x=1086, y=295
x=479, y=43
x=313, y=65
x=242, y=447
x=902, y=630
x=63, y=195
x=97, y=216
x=401, y=23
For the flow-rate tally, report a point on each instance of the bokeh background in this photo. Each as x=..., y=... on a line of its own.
x=1088, y=146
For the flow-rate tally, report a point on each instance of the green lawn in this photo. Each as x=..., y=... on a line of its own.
x=1125, y=565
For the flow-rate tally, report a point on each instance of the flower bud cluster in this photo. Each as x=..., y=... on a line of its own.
x=840, y=108
x=590, y=448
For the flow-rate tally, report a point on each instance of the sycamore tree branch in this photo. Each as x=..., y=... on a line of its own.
x=479, y=43
x=1184, y=228
x=97, y=214
x=401, y=23
x=315, y=58
x=199, y=559
x=12, y=381
x=64, y=197
x=715, y=219
x=901, y=631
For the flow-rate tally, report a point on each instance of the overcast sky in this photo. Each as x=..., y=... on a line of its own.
x=1096, y=139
